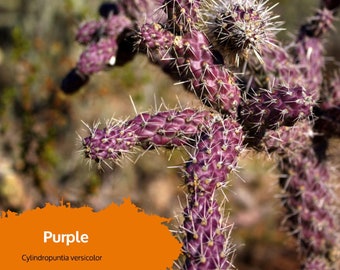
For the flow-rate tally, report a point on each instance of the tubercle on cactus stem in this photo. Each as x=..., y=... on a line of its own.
x=197, y=68
x=214, y=157
x=270, y=109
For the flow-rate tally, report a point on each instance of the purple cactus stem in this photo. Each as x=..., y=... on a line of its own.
x=215, y=157
x=167, y=129
x=98, y=56
x=206, y=231
x=198, y=70
x=115, y=25
x=309, y=50
x=316, y=263
x=182, y=14
x=190, y=60
x=206, y=243
x=156, y=42
x=271, y=109
x=89, y=31
x=317, y=25
x=281, y=102
x=308, y=197
x=139, y=10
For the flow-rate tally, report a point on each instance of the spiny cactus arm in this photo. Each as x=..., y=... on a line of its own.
x=164, y=129
x=106, y=45
x=308, y=198
x=206, y=235
x=156, y=42
x=206, y=243
x=309, y=49
x=188, y=58
x=202, y=73
x=295, y=88
x=270, y=109
x=181, y=15
x=102, y=49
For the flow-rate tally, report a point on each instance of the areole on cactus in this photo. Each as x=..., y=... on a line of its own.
x=273, y=102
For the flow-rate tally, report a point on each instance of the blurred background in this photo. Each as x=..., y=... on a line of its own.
x=40, y=150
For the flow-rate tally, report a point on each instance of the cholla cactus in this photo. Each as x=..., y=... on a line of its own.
x=237, y=28
x=273, y=104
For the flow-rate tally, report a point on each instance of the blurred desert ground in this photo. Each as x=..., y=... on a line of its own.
x=40, y=157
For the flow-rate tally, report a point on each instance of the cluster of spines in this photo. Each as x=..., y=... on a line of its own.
x=217, y=143
x=156, y=42
x=238, y=28
x=294, y=82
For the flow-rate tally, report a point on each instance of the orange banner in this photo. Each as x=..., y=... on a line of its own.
x=62, y=237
